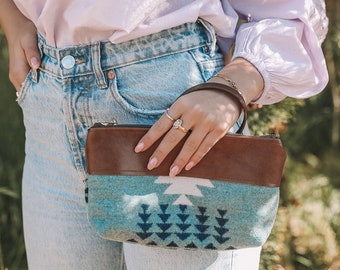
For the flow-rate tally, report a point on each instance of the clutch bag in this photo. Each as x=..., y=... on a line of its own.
x=227, y=201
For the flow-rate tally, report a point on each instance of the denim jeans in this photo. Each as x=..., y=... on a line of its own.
x=131, y=82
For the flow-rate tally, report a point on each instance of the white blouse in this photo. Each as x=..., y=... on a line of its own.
x=282, y=38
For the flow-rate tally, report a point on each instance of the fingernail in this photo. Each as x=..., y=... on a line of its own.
x=152, y=163
x=174, y=171
x=190, y=165
x=34, y=63
x=139, y=147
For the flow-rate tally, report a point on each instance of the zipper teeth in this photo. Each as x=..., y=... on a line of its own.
x=112, y=124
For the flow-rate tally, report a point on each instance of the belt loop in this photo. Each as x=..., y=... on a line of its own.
x=211, y=36
x=35, y=75
x=96, y=65
x=41, y=43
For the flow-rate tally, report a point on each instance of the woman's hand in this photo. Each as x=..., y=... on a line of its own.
x=207, y=114
x=21, y=36
x=23, y=54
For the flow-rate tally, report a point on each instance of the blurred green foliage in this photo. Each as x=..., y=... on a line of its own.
x=11, y=161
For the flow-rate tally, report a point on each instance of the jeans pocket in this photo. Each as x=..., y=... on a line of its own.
x=149, y=87
x=21, y=94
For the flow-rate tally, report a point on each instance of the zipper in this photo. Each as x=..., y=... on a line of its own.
x=114, y=123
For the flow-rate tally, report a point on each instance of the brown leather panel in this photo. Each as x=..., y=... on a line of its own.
x=235, y=158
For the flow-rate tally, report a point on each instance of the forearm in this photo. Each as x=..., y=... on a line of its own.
x=11, y=18
x=21, y=36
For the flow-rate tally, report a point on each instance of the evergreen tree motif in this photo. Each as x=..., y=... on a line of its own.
x=172, y=244
x=164, y=226
x=144, y=216
x=201, y=218
x=183, y=226
x=210, y=246
x=184, y=186
x=221, y=229
x=191, y=245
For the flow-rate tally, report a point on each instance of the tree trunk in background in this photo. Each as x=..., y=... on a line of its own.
x=332, y=45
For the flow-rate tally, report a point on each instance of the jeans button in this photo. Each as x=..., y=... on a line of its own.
x=68, y=61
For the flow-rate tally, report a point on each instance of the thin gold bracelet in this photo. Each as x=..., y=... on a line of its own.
x=230, y=82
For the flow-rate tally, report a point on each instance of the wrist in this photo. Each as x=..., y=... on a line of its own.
x=244, y=76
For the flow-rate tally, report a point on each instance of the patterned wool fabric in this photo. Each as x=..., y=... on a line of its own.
x=181, y=212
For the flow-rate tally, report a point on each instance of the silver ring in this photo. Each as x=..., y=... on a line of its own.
x=168, y=115
x=178, y=125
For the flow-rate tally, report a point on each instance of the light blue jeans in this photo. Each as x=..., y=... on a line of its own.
x=132, y=82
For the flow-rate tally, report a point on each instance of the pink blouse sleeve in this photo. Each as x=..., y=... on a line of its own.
x=283, y=40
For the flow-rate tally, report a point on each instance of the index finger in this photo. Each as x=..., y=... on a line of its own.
x=156, y=131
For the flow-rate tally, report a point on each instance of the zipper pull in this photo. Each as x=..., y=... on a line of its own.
x=106, y=124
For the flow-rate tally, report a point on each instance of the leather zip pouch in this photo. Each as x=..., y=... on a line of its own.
x=227, y=201
x=235, y=158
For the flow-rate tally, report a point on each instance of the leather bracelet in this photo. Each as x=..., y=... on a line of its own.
x=230, y=90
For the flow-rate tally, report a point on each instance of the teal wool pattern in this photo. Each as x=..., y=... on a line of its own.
x=181, y=212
